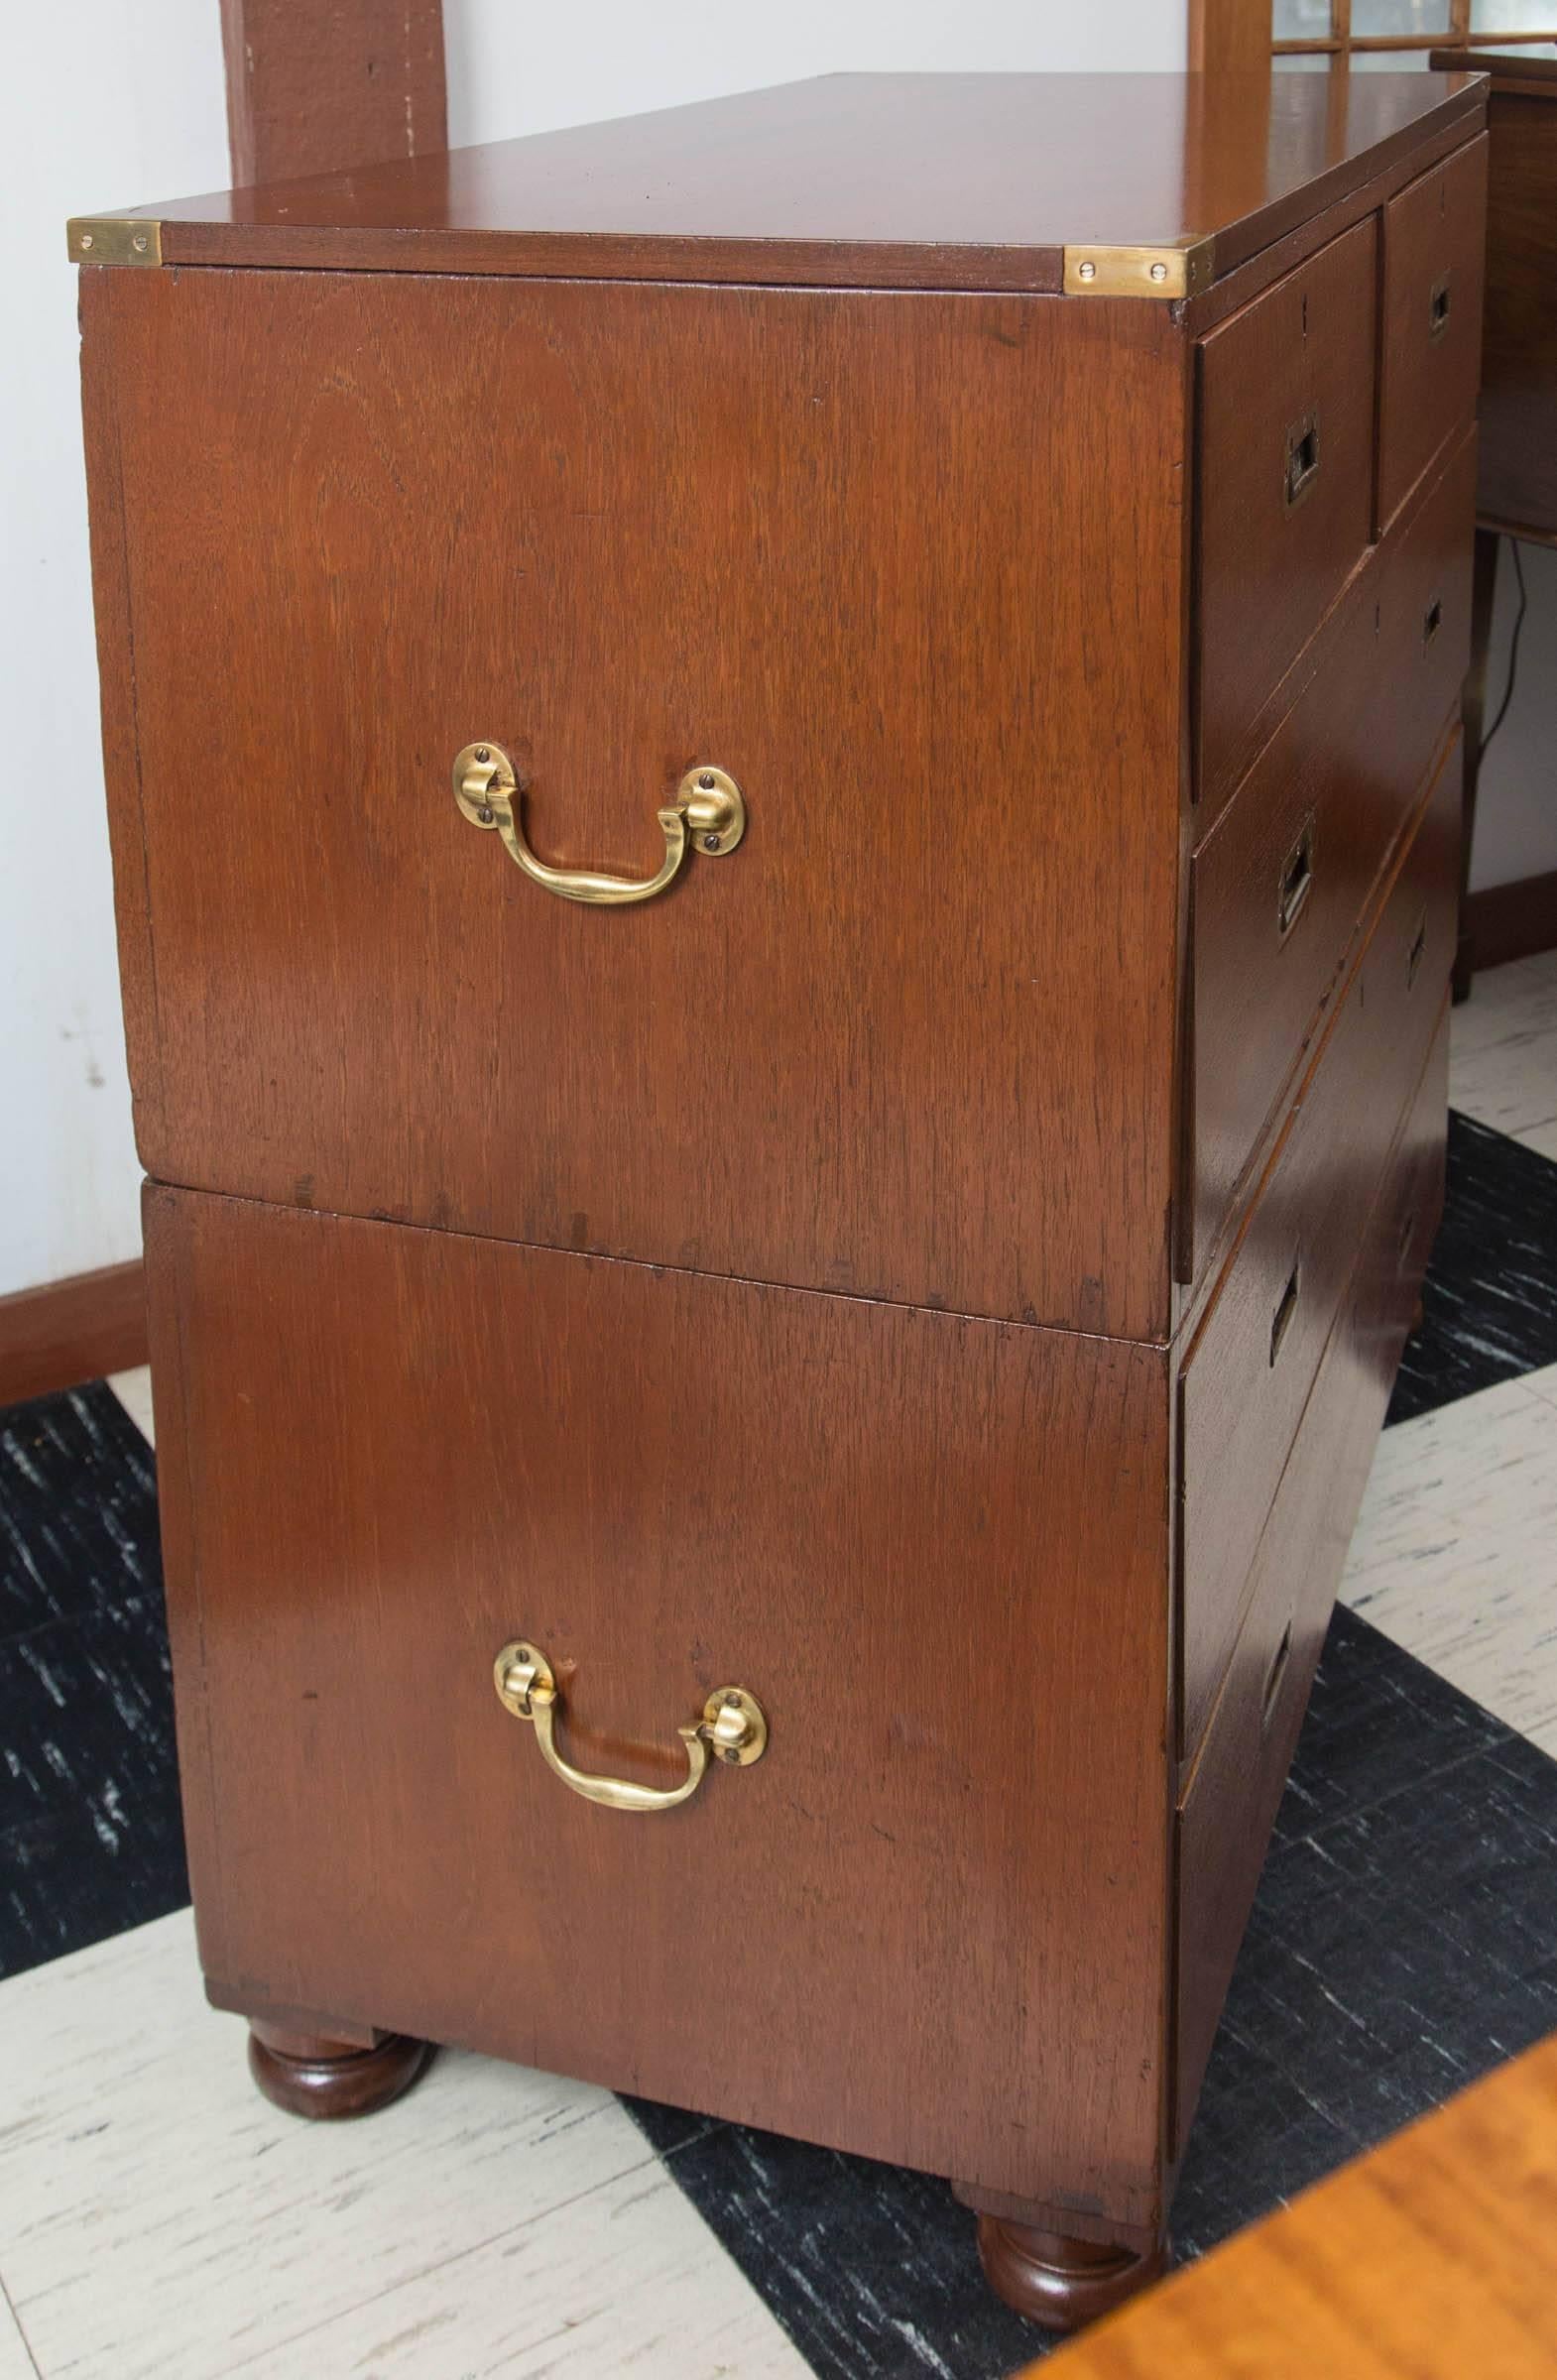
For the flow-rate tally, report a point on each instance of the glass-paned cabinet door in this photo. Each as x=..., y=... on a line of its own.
x=1300, y=20
x=1490, y=17
x=1371, y=18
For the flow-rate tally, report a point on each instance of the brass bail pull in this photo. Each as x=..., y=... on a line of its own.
x=733, y=1726
x=707, y=816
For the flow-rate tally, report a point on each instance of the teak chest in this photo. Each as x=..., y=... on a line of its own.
x=784, y=817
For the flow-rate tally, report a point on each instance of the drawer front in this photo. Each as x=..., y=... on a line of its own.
x=626, y=531
x=1434, y=246
x=1226, y=1820
x=923, y=1926
x=1253, y=1362
x=1280, y=886
x=1285, y=447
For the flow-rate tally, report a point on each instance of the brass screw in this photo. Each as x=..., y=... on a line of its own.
x=485, y=814
x=706, y=780
x=1159, y=272
x=1088, y=272
x=482, y=753
x=86, y=239
x=710, y=842
x=139, y=243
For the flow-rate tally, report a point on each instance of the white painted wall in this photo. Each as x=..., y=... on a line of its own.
x=1516, y=800
x=101, y=103
x=516, y=69
x=107, y=103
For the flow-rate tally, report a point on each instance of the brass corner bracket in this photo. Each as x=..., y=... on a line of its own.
x=1181, y=269
x=114, y=240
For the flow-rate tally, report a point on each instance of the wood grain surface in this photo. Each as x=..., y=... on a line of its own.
x=850, y=548
x=1241, y=1772
x=1331, y=792
x=1434, y=243
x=312, y=90
x=1269, y=567
x=1519, y=489
x=878, y=180
x=936, y=1550
x=1248, y=1372
x=1432, y=2256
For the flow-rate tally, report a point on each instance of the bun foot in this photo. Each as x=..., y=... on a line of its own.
x=308, y=2075
x=1060, y=2282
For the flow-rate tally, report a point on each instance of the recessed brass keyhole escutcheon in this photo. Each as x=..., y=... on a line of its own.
x=708, y=815
x=733, y=1729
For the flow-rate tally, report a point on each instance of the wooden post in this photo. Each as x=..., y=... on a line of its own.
x=1229, y=36
x=312, y=89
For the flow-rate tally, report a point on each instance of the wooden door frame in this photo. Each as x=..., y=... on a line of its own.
x=1234, y=36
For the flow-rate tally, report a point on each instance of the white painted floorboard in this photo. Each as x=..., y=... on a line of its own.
x=15, y=2361
x=1503, y=1052
x=159, y=2220
x=134, y=1392
x=1455, y=1555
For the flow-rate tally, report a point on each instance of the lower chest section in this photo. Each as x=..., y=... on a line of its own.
x=928, y=1924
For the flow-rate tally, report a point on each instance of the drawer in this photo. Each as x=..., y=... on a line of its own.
x=1237, y=1781
x=409, y=1449
x=1434, y=247
x=1280, y=883
x=1285, y=467
x=1249, y=1372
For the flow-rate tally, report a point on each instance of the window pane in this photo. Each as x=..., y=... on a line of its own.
x=1513, y=16
x=1300, y=20
x=1399, y=16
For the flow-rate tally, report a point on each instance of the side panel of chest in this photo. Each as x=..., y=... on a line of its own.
x=907, y=566
x=927, y=1925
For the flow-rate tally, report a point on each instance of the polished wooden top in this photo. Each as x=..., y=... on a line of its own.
x=1435, y=2257
x=920, y=180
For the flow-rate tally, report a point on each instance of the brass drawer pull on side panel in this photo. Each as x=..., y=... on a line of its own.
x=708, y=812
x=733, y=1726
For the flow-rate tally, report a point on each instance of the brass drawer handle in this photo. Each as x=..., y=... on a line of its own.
x=707, y=812
x=733, y=1726
x=1302, y=458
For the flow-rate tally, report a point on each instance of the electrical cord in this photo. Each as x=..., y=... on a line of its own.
x=1513, y=647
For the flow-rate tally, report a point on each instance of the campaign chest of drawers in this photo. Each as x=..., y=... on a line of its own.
x=784, y=823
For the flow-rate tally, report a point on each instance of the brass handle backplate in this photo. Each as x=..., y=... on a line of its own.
x=733, y=1727
x=707, y=816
